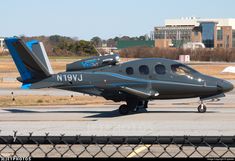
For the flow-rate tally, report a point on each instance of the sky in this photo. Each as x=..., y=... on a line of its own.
x=85, y=19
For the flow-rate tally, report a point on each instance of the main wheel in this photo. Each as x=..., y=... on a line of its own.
x=202, y=108
x=124, y=110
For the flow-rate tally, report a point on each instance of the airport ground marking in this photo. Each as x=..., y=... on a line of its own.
x=137, y=151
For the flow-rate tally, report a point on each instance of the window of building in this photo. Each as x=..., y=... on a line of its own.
x=220, y=35
x=219, y=45
x=160, y=69
x=227, y=41
x=234, y=43
x=144, y=70
x=129, y=71
x=233, y=38
x=208, y=35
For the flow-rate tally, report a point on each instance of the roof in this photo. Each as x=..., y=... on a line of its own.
x=196, y=21
x=134, y=43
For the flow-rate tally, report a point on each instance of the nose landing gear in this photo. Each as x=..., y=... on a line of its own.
x=202, y=108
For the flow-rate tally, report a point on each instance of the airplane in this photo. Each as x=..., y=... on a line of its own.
x=135, y=82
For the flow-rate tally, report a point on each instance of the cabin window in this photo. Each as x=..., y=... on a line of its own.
x=183, y=70
x=160, y=69
x=129, y=71
x=144, y=70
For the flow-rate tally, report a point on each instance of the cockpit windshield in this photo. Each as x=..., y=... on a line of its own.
x=181, y=69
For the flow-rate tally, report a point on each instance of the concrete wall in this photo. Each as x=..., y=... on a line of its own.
x=163, y=43
x=196, y=38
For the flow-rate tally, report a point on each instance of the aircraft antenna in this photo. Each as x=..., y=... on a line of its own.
x=97, y=50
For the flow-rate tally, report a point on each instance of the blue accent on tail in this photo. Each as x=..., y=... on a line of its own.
x=31, y=43
x=24, y=72
x=26, y=86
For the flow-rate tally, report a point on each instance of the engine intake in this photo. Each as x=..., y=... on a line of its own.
x=94, y=62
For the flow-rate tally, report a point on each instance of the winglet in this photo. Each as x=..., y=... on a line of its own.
x=26, y=86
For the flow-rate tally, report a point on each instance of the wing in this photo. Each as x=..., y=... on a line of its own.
x=144, y=94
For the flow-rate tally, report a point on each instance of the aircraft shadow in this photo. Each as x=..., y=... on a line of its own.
x=110, y=114
x=105, y=114
x=94, y=114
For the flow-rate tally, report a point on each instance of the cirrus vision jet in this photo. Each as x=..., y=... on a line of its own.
x=135, y=82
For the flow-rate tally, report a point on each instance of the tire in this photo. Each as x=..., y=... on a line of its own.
x=124, y=110
x=202, y=108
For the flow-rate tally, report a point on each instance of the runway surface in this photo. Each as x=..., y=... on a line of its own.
x=170, y=118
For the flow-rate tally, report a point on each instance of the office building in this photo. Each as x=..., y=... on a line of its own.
x=1, y=45
x=213, y=33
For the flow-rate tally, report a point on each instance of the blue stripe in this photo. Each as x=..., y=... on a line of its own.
x=31, y=43
x=24, y=72
x=26, y=86
x=111, y=85
x=123, y=84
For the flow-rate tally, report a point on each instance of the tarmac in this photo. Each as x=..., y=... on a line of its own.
x=163, y=118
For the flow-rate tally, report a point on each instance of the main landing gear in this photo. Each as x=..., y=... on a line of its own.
x=132, y=106
x=124, y=109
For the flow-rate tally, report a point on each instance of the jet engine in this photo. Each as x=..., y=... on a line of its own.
x=94, y=62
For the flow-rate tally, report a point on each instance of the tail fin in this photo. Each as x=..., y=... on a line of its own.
x=29, y=65
x=38, y=49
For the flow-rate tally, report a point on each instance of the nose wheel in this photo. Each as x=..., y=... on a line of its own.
x=202, y=108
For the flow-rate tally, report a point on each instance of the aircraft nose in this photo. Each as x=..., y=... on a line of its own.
x=225, y=86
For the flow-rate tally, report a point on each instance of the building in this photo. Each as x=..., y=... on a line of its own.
x=107, y=49
x=214, y=33
x=2, y=46
x=175, y=35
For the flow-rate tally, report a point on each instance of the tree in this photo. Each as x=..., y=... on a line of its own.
x=116, y=39
x=142, y=38
x=111, y=43
x=96, y=41
x=125, y=38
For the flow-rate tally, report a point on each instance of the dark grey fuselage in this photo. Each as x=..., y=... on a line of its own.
x=109, y=82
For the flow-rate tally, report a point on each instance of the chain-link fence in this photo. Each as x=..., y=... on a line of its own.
x=117, y=146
